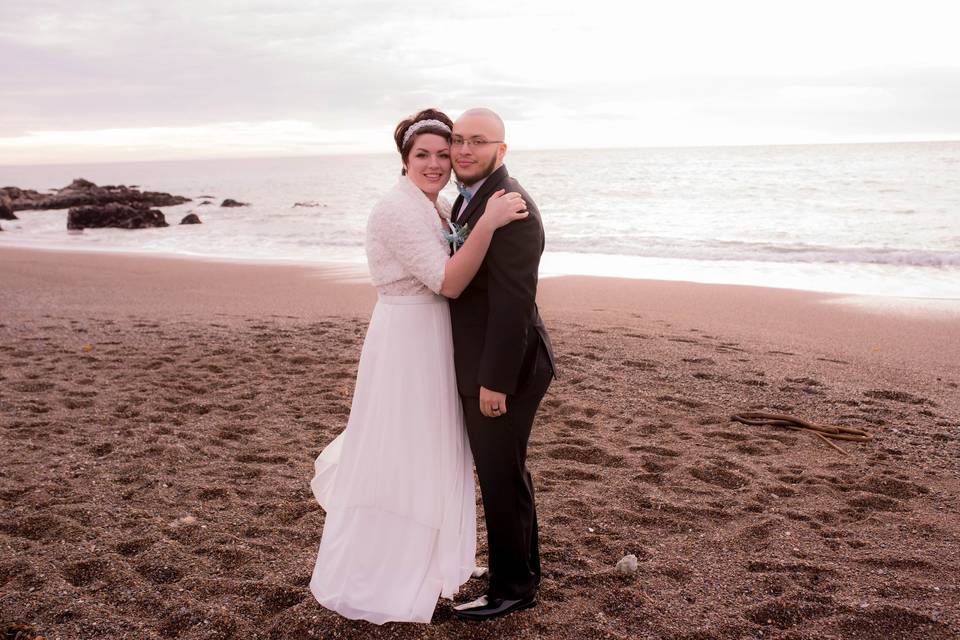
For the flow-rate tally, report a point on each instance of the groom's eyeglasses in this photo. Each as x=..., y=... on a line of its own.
x=473, y=143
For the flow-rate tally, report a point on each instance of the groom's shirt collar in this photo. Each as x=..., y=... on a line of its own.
x=473, y=188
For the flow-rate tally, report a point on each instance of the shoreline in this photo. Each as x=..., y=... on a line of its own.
x=356, y=270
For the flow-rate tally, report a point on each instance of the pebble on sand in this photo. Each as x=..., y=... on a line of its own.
x=627, y=564
x=185, y=520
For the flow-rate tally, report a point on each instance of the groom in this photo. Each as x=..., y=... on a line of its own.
x=504, y=364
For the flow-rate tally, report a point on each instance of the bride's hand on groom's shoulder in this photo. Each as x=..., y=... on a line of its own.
x=503, y=208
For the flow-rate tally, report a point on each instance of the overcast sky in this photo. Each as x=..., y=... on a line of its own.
x=97, y=80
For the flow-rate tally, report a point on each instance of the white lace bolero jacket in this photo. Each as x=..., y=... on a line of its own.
x=406, y=250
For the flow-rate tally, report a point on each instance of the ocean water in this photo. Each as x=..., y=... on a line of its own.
x=875, y=219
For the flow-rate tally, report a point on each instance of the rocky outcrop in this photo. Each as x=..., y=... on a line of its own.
x=191, y=218
x=6, y=208
x=229, y=202
x=82, y=192
x=115, y=214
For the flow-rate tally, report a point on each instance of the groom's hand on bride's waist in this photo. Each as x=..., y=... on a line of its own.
x=493, y=404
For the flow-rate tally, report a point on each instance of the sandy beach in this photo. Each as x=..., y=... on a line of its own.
x=160, y=418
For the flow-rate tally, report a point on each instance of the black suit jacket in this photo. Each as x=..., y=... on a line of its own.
x=497, y=330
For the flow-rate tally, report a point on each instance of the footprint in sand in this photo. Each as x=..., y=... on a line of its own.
x=588, y=455
x=899, y=564
x=874, y=502
x=568, y=473
x=261, y=458
x=753, y=450
x=690, y=404
x=892, y=487
x=898, y=396
x=276, y=598
x=652, y=465
x=657, y=451
x=788, y=612
x=102, y=449
x=286, y=513
x=86, y=572
x=32, y=386
x=727, y=435
x=214, y=493
x=159, y=573
x=134, y=547
x=642, y=365
x=43, y=527
x=891, y=622
x=579, y=424
x=718, y=476
x=567, y=438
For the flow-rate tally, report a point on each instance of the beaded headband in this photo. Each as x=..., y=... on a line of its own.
x=420, y=124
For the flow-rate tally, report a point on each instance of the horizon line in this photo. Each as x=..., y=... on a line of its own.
x=521, y=150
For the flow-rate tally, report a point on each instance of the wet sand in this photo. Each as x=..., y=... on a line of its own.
x=160, y=418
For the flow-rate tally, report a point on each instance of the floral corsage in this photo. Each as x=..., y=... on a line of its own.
x=458, y=234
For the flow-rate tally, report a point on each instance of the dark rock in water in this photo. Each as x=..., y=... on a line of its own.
x=82, y=192
x=206, y=202
x=6, y=208
x=206, y=197
x=80, y=184
x=229, y=202
x=308, y=203
x=191, y=218
x=114, y=214
x=18, y=197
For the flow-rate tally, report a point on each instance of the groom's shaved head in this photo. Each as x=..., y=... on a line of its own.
x=474, y=162
x=490, y=114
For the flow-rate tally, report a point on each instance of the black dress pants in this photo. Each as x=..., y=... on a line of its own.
x=499, y=448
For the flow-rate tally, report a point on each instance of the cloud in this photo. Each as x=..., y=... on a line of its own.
x=818, y=70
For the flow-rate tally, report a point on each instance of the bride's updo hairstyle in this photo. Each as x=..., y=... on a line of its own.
x=434, y=121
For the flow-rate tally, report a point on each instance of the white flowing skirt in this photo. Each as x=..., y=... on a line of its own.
x=397, y=483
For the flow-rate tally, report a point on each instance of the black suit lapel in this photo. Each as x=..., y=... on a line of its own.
x=479, y=199
x=455, y=209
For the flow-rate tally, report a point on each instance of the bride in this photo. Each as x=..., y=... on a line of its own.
x=397, y=483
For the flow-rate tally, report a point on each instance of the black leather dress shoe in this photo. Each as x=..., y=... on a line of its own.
x=486, y=608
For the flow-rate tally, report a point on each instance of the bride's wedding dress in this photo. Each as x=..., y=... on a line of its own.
x=397, y=483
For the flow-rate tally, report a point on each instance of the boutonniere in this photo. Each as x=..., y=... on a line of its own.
x=458, y=234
